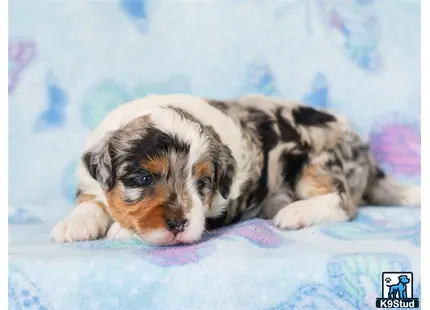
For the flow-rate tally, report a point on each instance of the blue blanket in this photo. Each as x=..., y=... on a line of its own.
x=251, y=265
x=70, y=63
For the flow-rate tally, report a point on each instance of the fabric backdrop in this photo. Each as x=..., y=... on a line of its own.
x=72, y=62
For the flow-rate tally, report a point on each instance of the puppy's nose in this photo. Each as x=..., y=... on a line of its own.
x=176, y=225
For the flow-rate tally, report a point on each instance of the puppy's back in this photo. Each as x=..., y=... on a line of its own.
x=317, y=129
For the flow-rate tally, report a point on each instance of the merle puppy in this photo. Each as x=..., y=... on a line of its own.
x=165, y=168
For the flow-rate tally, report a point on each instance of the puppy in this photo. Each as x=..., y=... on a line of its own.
x=166, y=167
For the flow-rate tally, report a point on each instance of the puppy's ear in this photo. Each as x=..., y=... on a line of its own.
x=225, y=170
x=98, y=162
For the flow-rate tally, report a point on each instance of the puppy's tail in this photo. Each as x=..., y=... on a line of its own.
x=384, y=190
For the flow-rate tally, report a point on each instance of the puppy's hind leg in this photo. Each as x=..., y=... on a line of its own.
x=325, y=199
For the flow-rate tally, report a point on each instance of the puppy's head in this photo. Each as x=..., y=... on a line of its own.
x=160, y=174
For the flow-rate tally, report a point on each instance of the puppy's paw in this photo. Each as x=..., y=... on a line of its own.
x=322, y=209
x=118, y=233
x=292, y=216
x=79, y=228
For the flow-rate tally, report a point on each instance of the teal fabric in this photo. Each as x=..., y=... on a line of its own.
x=72, y=62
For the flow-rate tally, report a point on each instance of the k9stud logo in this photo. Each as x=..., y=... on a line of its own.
x=397, y=291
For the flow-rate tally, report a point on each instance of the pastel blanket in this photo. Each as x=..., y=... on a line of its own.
x=251, y=265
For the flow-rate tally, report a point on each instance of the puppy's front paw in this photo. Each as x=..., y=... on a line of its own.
x=79, y=228
x=116, y=232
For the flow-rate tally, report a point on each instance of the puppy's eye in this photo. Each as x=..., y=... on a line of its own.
x=143, y=179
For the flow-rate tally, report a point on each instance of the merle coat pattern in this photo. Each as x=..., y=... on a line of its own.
x=168, y=167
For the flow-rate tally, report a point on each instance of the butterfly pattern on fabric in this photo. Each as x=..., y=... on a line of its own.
x=318, y=94
x=136, y=11
x=354, y=282
x=261, y=79
x=353, y=26
x=106, y=95
x=17, y=215
x=24, y=293
x=53, y=116
x=377, y=226
x=257, y=232
x=20, y=54
x=396, y=145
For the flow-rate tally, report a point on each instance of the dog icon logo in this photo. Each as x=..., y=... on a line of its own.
x=397, y=291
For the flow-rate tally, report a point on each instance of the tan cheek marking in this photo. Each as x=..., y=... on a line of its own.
x=151, y=211
x=156, y=165
x=119, y=209
x=154, y=219
x=144, y=216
